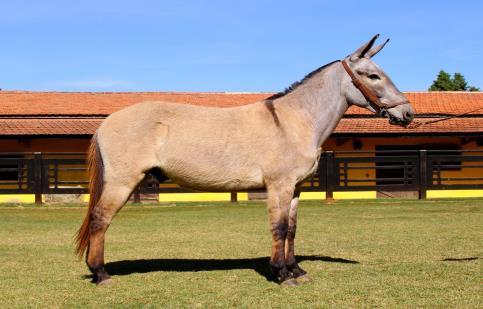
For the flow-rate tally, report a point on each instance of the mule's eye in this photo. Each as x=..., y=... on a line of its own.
x=374, y=76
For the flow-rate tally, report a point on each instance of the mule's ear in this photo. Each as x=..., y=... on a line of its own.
x=371, y=53
x=361, y=51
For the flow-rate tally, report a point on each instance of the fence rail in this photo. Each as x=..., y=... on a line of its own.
x=418, y=170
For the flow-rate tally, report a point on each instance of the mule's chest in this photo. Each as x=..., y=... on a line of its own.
x=309, y=167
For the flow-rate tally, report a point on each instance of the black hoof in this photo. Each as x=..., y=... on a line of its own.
x=101, y=277
x=281, y=273
x=296, y=270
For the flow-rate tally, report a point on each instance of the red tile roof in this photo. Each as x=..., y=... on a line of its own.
x=48, y=126
x=86, y=126
x=104, y=103
x=31, y=113
x=381, y=126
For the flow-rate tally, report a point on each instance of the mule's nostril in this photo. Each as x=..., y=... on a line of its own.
x=409, y=116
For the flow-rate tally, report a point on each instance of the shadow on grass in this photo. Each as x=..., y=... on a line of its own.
x=260, y=265
x=460, y=259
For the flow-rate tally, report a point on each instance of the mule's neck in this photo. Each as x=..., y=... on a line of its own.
x=319, y=100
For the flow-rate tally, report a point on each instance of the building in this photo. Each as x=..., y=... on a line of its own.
x=63, y=122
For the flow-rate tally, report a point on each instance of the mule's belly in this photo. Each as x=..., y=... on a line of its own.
x=222, y=186
x=216, y=175
x=215, y=181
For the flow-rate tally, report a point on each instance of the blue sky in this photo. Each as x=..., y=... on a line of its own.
x=228, y=45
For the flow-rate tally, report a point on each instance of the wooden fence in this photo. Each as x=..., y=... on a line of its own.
x=383, y=171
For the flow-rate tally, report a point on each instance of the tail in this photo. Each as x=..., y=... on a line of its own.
x=96, y=184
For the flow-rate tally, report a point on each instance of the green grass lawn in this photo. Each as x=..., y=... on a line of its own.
x=358, y=254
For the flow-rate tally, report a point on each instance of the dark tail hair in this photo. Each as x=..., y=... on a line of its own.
x=96, y=184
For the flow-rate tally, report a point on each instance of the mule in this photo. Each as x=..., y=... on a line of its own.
x=274, y=144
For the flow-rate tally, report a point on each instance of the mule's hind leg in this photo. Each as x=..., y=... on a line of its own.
x=292, y=266
x=278, y=203
x=113, y=198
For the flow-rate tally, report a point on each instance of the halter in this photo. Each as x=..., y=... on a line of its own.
x=372, y=97
x=368, y=93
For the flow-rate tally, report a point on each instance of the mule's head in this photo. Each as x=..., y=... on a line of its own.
x=390, y=101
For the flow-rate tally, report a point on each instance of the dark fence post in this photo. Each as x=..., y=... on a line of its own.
x=38, y=178
x=423, y=175
x=329, y=188
x=233, y=197
x=137, y=196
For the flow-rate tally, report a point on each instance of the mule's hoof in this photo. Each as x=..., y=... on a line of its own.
x=304, y=279
x=289, y=282
x=106, y=282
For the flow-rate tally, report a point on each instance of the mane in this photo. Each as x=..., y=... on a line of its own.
x=296, y=84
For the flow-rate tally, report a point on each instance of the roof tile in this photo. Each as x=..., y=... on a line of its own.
x=85, y=126
x=104, y=103
x=84, y=105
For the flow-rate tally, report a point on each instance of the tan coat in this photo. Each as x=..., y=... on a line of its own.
x=273, y=144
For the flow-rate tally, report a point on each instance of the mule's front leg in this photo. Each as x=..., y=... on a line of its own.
x=278, y=208
x=292, y=266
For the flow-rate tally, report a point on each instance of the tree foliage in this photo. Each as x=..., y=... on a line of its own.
x=444, y=82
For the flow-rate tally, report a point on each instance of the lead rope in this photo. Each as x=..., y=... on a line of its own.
x=416, y=124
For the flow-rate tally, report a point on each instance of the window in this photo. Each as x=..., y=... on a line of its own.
x=9, y=168
x=446, y=156
x=397, y=164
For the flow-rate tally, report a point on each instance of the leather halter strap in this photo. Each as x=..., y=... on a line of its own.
x=368, y=93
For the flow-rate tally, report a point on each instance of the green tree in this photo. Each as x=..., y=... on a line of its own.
x=444, y=82
x=459, y=82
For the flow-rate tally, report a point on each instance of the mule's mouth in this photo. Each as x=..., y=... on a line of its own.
x=394, y=120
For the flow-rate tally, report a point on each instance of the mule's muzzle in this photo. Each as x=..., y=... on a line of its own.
x=402, y=117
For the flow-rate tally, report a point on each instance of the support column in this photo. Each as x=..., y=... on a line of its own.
x=329, y=181
x=233, y=197
x=423, y=174
x=38, y=178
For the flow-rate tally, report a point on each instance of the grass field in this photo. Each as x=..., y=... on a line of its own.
x=358, y=254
